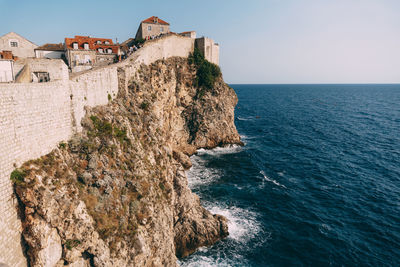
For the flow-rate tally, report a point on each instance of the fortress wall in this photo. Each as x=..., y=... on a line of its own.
x=92, y=89
x=36, y=117
x=33, y=119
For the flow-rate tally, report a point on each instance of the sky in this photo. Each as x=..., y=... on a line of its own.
x=261, y=41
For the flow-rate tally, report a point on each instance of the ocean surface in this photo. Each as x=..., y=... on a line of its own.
x=317, y=183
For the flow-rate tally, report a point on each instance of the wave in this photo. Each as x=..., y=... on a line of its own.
x=245, y=119
x=248, y=118
x=242, y=224
x=266, y=178
x=199, y=174
x=204, y=261
x=230, y=149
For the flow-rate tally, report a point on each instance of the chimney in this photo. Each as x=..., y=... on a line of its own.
x=7, y=55
x=155, y=19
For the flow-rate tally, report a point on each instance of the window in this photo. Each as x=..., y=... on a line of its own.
x=161, y=29
x=42, y=77
x=100, y=50
x=106, y=42
x=13, y=44
x=75, y=45
x=149, y=28
x=98, y=42
x=109, y=50
x=86, y=46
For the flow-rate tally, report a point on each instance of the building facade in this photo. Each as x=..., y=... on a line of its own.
x=85, y=52
x=191, y=34
x=6, y=70
x=152, y=27
x=50, y=51
x=209, y=49
x=18, y=45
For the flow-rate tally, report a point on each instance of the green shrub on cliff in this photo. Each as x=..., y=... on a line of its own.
x=17, y=176
x=207, y=72
x=101, y=127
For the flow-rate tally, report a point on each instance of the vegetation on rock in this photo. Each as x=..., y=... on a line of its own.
x=17, y=176
x=207, y=72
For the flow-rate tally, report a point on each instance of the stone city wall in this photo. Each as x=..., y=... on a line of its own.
x=36, y=117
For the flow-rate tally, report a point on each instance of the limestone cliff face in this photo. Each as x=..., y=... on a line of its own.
x=117, y=193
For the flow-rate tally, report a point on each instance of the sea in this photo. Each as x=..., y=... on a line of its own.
x=316, y=184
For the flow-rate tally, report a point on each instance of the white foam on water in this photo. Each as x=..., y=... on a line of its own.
x=243, y=119
x=242, y=224
x=266, y=178
x=199, y=174
x=248, y=118
x=324, y=229
x=242, y=136
x=204, y=261
x=230, y=149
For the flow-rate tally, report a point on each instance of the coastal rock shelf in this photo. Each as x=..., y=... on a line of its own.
x=116, y=194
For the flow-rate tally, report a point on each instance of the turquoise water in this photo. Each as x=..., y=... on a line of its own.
x=317, y=184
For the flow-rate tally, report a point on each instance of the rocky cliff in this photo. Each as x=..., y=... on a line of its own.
x=116, y=194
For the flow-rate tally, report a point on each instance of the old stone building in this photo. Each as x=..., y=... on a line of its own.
x=209, y=49
x=151, y=27
x=18, y=45
x=85, y=52
x=191, y=34
x=50, y=51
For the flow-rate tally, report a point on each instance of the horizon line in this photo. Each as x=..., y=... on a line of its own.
x=394, y=83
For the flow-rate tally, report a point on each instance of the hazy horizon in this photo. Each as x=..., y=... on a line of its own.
x=262, y=42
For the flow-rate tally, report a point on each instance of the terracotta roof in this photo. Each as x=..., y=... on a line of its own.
x=187, y=32
x=51, y=47
x=93, y=43
x=155, y=20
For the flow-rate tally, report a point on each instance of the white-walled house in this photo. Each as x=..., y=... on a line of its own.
x=50, y=51
x=6, y=70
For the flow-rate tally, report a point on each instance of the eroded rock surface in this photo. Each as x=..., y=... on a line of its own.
x=117, y=194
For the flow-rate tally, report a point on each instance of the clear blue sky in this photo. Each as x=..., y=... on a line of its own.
x=262, y=41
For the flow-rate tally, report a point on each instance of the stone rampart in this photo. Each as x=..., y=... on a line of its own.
x=36, y=117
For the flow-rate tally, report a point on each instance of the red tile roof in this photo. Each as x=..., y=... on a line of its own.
x=51, y=47
x=93, y=43
x=155, y=20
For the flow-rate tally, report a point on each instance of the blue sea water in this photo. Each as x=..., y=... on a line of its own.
x=317, y=183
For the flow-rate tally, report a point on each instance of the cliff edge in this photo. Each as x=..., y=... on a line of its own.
x=117, y=194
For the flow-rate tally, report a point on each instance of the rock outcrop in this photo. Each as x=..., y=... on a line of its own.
x=117, y=194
